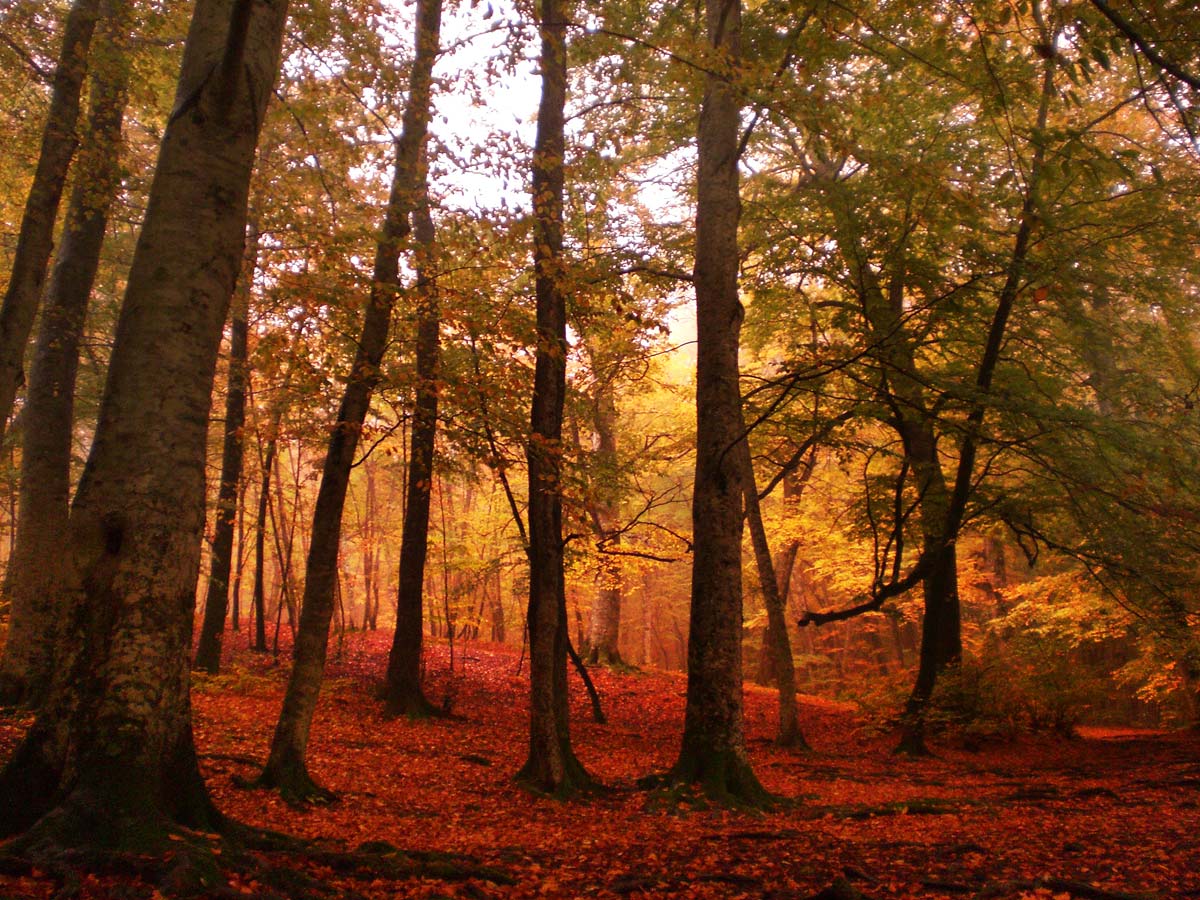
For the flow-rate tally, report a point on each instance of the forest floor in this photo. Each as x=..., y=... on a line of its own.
x=1113, y=814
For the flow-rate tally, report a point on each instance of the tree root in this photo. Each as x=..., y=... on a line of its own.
x=919, y=806
x=701, y=780
x=377, y=859
x=201, y=865
x=294, y=784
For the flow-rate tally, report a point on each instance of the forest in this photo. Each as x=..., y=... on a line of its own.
x=741, y=448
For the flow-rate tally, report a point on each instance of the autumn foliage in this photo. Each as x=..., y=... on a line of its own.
x=1113, y=814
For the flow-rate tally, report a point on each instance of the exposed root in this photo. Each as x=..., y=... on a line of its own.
x=294, y=784
x=566, y=781
x=713, y=778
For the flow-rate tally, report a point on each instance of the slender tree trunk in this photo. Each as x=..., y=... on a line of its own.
x=784, y=564
x=216, y=602
x=35, y=242
x=34, y=584
x=402, y=691
x=110, y=761
x=286, y=768
x=778, y=645
x=904, y=393
x=235, y=613
x=552, y=767
x=713, y=751
x=260, y=544
x=605, y=633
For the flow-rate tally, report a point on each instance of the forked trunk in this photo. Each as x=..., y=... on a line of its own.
x=35, y=241
x=33, y=584
x=778, y=644
x=110, y=760
x=286, y=768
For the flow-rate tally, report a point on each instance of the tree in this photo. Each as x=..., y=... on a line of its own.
x=778, y=645
x=110, y=760
x=552, y=766
x=36, y=238
x=402, y=691
x=286, y=768
x=216, y=600
x=605, y=632
x=713, y=752
x=33, y=573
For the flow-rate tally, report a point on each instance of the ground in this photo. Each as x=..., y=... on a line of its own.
x=1112, y=814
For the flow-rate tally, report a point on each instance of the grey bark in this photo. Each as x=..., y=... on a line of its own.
x=33, y=584
x=713, y=751
x=35, y=241
x=110, y=760
x=605, y=627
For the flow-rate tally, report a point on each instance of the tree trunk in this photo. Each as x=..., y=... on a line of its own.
x=713, y=752
x=216, y=601
x=286, y=768
x=110, y=761
x=552, y=767
x=33, y=572
x=35, y=241
x=605, y=632
x=778, y=645
x=784, y=565
x=402, y=691
x=903, y=392
x=260, y=543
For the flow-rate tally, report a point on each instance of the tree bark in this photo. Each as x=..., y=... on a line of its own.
x=110, y=761
x=33, y=583
x=402, y=692
x=605, y=631
x=35, y=241
x=286, y=768
x=713, y=752
x=551, y=767
x=260, y=542
x=778, y=645
x=216, y=600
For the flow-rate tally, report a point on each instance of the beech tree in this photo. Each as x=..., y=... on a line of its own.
x=713, y=751
x=552, y=766
x=35, y=241
x=402, y=692
x=286, y=768
x=32, y=582
x=110, y=761
x=216, y=598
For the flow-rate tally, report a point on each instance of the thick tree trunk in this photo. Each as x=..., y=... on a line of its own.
x=552, y=767
x=35, y=241
x=286, y=769
x=216, y=600
x=110, y=760
x=713, y=753
x=402, y=692
x=34, y=568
